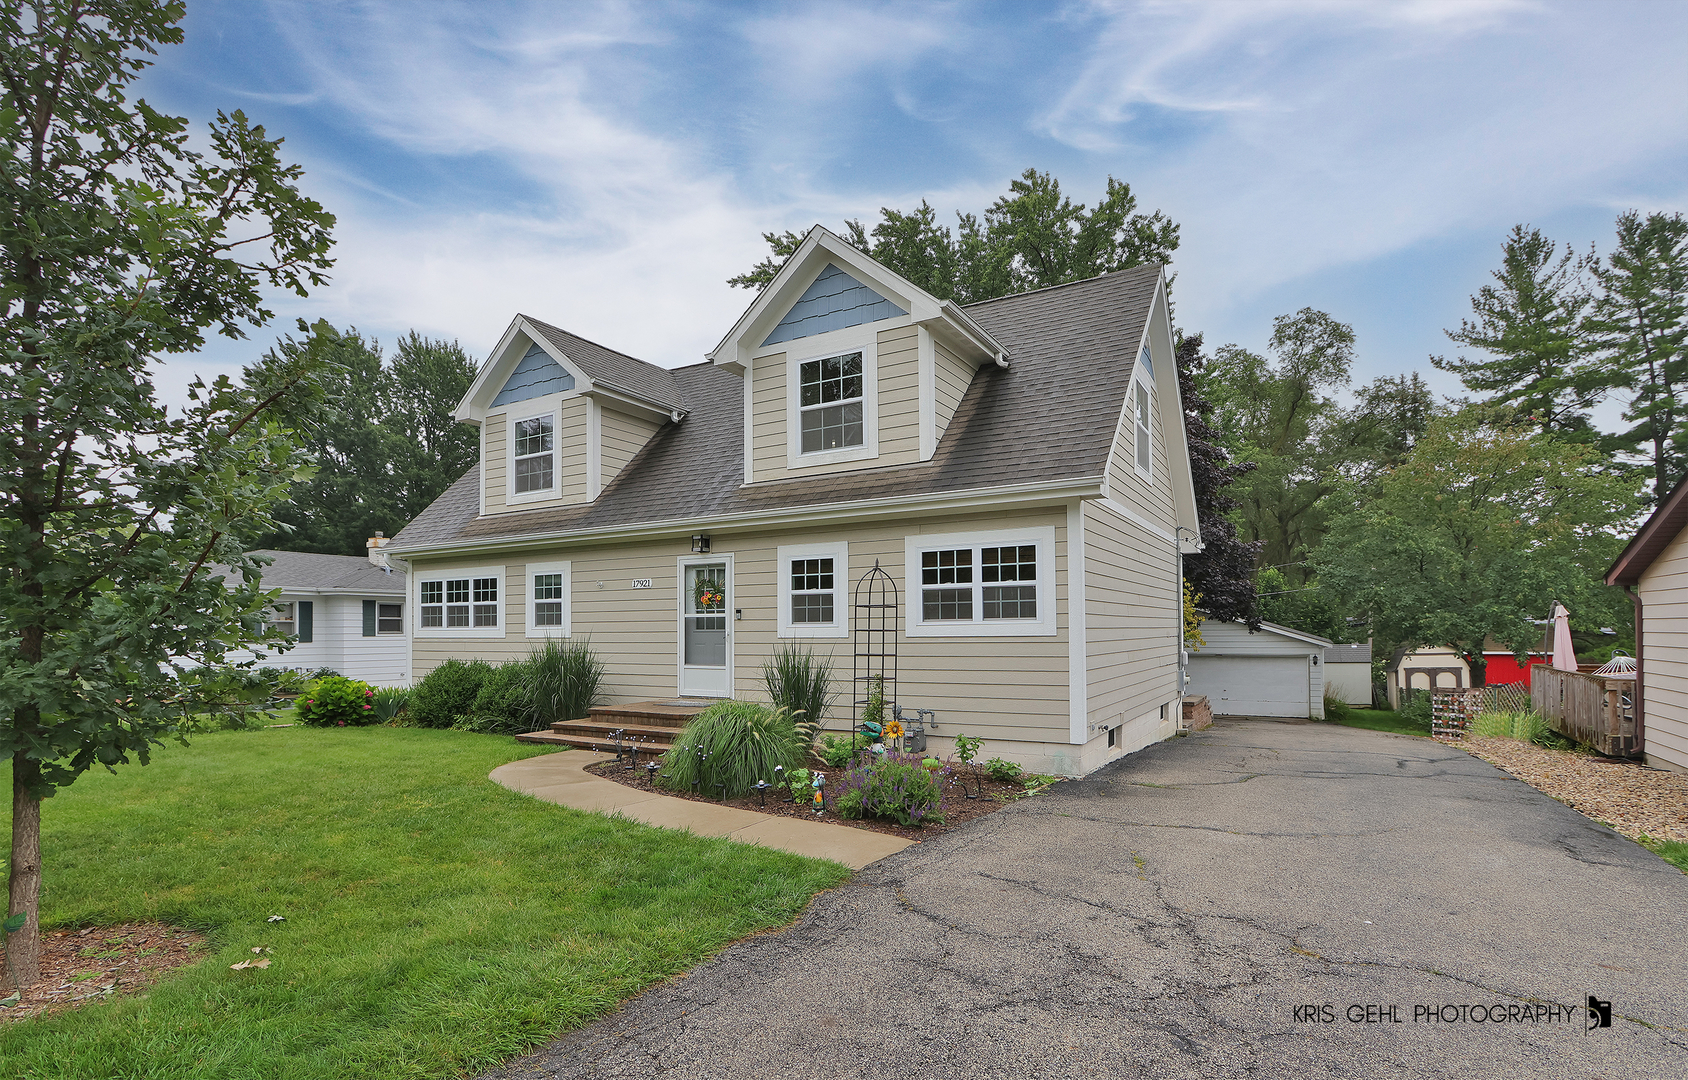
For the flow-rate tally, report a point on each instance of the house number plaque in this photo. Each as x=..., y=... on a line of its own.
x=641, y=583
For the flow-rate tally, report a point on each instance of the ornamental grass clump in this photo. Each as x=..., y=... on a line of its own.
x=729, y=746
x=565, y=679
x=898, y=787
x=1523, y=725
x=799, y=682
x=336, y=701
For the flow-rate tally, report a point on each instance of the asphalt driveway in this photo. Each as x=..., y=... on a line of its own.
x=1225, y=904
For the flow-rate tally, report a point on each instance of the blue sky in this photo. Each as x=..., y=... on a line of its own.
x=606, y=167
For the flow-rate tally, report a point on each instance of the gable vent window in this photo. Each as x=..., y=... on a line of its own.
x=830, y=401
x=1145, y=445
x=535, y=462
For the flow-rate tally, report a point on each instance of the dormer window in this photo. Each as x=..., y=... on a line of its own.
x=830, y=396
x=535, y=456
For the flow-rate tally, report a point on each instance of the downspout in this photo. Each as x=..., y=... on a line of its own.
x=1183, y=647
x=1640, y=676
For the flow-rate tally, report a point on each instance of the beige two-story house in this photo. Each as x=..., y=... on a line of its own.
x=1016, y=468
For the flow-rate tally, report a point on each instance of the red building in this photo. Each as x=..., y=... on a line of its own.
x=1504, y=668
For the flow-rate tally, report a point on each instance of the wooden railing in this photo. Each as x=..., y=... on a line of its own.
x=1597, y=712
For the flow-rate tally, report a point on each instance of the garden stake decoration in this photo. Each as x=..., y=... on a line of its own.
x=782, y=782
x=819, y=783
x=650, y=772
x=762, y=787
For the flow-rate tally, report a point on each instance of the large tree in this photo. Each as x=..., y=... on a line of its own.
x=1639, y=324
x=1530, y=325
x=1475, y=534
x=1030, y=238
x=382, y=434
x=119, y=241
x=1222, y=573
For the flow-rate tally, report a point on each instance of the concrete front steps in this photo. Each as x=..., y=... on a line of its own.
x=651, y=724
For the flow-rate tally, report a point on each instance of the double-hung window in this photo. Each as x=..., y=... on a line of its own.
x=548, y=589
x=830, y=403
x=813, y=584
x=533, y=455
x=459, y=602
x=982, y=583
x=389, y=618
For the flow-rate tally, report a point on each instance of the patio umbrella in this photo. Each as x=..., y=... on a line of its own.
x=1564, y=654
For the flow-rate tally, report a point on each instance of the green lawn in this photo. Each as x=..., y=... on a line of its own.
x=1672, y=851
x=1381, y=720
x=435, y=922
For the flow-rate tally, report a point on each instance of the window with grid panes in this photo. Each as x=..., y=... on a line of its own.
x=999, y=566
x=830, y=402
x=532, y=455
x=812, y=591
x=459, y=603
x=486, y=601
x=548, y=600
x=946, y=585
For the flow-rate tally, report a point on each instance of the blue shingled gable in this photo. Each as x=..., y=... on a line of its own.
x=536, y=376
x=834, y=301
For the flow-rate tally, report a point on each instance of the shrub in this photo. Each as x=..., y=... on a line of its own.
x=1336, y=709
x=800, y=683
x=1416, y=707
x=836, y=751
x=390, y=703
x=504, y=704
x=1004, y=770
x=566, y=680
x=731, y=745
x=447, y=694
x=896, y=786
x=336, y=701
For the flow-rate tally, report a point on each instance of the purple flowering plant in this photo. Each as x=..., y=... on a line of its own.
x=895, y=786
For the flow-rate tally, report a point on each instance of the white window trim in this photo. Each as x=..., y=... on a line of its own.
x=680, y=565
x=389, y=603
x=565, y=569
x=839, y=553
x=1042, y=626
x=820, y=347
x=515, y=413
x=1145, y=469
x=471, y=572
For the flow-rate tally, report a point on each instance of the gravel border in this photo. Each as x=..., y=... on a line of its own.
x=1632, y=798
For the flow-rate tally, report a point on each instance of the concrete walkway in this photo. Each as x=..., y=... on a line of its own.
x=563, y=779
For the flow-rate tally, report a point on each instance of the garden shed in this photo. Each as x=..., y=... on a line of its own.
x=1273, y=671
x=1348, y=674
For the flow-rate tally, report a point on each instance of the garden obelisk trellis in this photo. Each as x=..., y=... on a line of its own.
x=877, y=620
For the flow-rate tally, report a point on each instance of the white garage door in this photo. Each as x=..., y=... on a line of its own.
x=1252, y=685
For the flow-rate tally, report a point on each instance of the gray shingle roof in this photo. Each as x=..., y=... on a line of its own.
x=1348, y=654
x=1051, y=416
x=311, y=572
x=614, y=370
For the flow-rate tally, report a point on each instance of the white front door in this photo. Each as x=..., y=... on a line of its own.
x=706, y=626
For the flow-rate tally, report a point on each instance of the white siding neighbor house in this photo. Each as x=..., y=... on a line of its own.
x=1274, y=671
x=344, y=612
x=1348, y=674
x=1017, y=468
x=1653, y=570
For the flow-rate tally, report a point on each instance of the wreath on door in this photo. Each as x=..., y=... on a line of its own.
x=708, y=594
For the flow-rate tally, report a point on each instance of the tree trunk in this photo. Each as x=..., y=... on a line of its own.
x=1479, y=670
x=23, y=948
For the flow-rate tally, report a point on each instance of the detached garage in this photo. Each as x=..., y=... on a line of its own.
x=1273, y=672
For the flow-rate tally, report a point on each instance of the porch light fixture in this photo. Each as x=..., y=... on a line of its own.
x=700, y=544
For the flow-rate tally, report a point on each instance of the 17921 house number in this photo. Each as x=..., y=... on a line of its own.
x=641, y=583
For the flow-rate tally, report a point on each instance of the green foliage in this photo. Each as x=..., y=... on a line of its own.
x=390, y=704
x=967, y=747
x=447, y=694
x=1507, y=724
x=1338, y=711
x=381, y=433
x=1307, y=607
x=229, y=698
x=729, y=746
x=1530, y=323
x=1396, y=723
x=1004, y=770
x=799, y=682
x=1415, y=708
x=504, y=705
x=893, y=786
x=1475, y=535
x=567, y=679
x=1030, y=238
x=837, y=751
x=873, y=710
x=336, y=701
x=1674, y=852
x=412, y=889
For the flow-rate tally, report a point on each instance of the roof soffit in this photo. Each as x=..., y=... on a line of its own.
x=819, y=248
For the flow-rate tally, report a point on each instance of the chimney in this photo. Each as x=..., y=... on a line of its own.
x=378, y=557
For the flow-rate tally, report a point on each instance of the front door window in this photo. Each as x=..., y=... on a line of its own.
x=704, y=631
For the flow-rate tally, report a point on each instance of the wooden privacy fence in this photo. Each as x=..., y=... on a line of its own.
x=1593, y=710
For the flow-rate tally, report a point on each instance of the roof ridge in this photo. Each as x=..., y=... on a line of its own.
x=1062, y=285
x=594, y=344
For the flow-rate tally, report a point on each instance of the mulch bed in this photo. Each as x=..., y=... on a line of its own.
x=98, y=962
x=1630, y=797
x=958, y=809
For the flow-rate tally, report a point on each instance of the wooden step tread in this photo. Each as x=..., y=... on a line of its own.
x=606, y=728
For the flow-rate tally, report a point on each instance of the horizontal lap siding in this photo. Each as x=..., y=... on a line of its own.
x=492, y=463
x=1153, y=499
x=1664, y=658
x=623, y=437
x=767, y=404
x=998, y=688
x=899, y=397
x=954, y=375
x=1132, y=616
